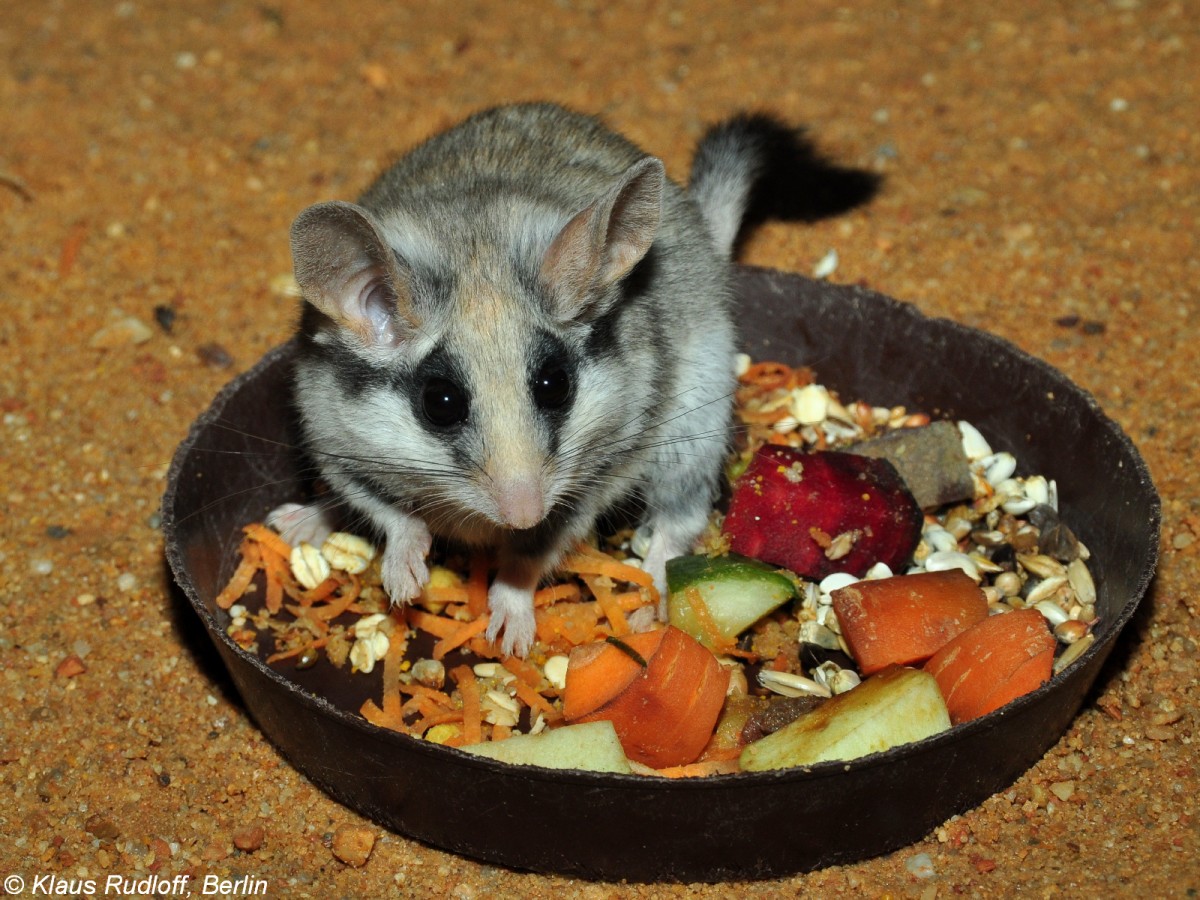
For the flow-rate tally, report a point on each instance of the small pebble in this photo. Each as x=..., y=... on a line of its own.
x=826, y=265
x=123, y=332
x=249, y=839
x=70, y=667
x=920, y=865
x=102, y=828
x=352, y=844
x=214, y=356
x=1160, y=733
x=165, y=317
x=1063, y=790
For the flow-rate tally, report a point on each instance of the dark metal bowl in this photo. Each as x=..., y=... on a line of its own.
x=235, y=465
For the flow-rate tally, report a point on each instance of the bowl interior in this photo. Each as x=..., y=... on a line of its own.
x=239, y=461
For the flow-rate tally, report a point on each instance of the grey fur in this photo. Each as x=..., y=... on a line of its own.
x=525, y=231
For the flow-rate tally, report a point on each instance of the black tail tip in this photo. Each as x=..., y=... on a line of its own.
x=795, y=182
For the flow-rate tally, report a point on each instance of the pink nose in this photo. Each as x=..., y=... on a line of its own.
x=520, y=502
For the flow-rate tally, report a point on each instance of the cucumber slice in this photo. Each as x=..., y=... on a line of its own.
x=737, y=591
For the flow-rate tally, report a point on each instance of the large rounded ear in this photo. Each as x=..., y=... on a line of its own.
x=604, y=241
x=346, y=269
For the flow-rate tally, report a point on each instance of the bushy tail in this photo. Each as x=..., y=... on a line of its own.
x=753, y=167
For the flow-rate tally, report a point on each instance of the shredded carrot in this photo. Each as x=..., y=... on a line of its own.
x=601, y=588
x=296, y=651
x=274, y=600
x=531, y=698
x=483, y=648
x=421, y=726
x=468, y=687
x=341, y=603
x=307, y=598
x=631, y=600
x=268, y=538
x=702, y=769
x=462, y=634
x=704, y=618
x=421, y=690
x=555, y=593
x=501, y=732
x=449, y=593
x=438, y=626
x=242, y=576
x=593, y=562
x=527, y=672
x=477, y=586
x=376, y=716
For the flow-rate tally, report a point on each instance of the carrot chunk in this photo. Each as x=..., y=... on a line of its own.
x=907, y=618
x=993, y=663
x=661, y=689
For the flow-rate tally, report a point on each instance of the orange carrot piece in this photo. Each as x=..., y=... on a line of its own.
x=1003, y=657
x=631, y=600
x=341, y=603
x=601, y=589
x=907, y=618
x=587, y=561
x=567, y=623
x=421, y=726
x=483, y=648
x=392, y=662
x=468, y=688
x=462, y=634
x=555, y=593
x=274, y=599
x=268, y=538
x=477, y=585
x=242, y=576
x=438, y=626
x=296, y=651
x=526, y=671
x=501, y=732
x=421, y=690
x=376, y=716
x=662, y=690
x=445, y=594
x=308, y=597
x=704, y=619
x=703, y=769
x=535, y=701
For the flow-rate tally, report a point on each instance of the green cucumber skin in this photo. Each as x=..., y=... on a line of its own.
x=685, y=571
x=735, y=584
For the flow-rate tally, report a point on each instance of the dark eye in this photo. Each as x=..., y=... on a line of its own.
x=551, y=387
x=444, y=402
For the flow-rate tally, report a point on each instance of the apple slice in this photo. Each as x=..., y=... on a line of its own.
x=896, y=706
x=589, y=745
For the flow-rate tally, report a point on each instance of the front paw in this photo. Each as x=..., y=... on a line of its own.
x=403, y=568
x=511, y=610
x=299, y=524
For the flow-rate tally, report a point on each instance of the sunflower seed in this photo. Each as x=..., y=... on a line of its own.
x=787, y=684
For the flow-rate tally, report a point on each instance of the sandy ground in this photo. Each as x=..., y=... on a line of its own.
x=1040, y=182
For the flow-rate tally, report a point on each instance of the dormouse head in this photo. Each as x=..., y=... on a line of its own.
x=460, y=376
